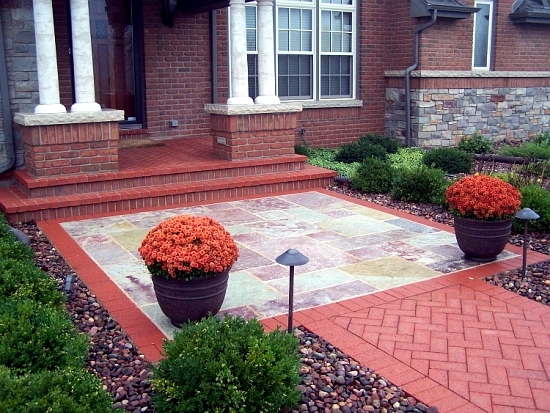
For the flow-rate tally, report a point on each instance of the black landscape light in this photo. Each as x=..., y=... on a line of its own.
x=291, y=258
x=526, y=214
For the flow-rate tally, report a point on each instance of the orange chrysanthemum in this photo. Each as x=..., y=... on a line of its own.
x=188, y=247
x=483, y=197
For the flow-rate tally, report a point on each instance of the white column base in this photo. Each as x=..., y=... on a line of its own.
x=53, y=108
x=240, y=100
x=85, y=107
x=267, y=100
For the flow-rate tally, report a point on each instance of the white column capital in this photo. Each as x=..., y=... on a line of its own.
x=239, y=65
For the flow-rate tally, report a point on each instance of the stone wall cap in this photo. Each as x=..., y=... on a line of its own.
x=467, y=73
x=43, y=119
x=252, y=109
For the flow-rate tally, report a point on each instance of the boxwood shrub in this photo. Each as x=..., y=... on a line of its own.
x=450, y=160
x=374, y=175
x=538, y=199
x=22, y=279
x=36, y=337
x=66, y=390
x=227, y=365
x=420, y=185
x=10, y=248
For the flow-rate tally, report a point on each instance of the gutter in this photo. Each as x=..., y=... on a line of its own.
x=6, y=110
x=408, y=75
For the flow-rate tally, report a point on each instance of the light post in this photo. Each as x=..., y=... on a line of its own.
x=291, y=258
x=526, y=214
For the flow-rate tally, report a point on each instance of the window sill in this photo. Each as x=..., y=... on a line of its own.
x=334, y=103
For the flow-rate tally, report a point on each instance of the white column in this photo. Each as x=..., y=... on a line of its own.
x=46, y=58
x=82, y=58
x=239, y=66
x=266, y=54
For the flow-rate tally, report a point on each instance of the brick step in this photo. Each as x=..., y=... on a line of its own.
x=19, y=207
x=145, y=177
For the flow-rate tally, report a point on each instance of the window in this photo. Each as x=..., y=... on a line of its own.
x=315, y=49
x=252, y=51
x=483, y=35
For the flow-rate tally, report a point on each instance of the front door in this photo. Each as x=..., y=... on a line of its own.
x=116, y=66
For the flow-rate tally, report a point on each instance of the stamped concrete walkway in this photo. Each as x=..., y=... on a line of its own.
x=452, y=340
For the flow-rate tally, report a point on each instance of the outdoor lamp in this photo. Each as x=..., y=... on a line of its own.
x=68, y=283
x=291, y=258
x=526, y=214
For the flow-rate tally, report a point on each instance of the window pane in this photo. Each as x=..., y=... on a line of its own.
x=345, y=67
x=325, y=20
x=305, y=86
x=295, y=41
x=325, y=42
x=324, y=86
x=346, y=21
x=305, y=65
x=335, y=85
x=307, y=42
x=294, y=86
x=481, y=40
x=346, y=42
x=283, y=41
x=252, y=75
x=335, y=65
x=283, y=86
x=324, y=64
x=307, y=20
x=336, y=21
x=337, y=42
x=295, y=19
x=293, y=65
x=346, y=86
x=283, y=19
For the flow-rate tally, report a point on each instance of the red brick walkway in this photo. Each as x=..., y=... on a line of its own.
x=454, y=342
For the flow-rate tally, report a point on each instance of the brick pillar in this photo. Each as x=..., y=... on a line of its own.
x=67, y=144
x=257, y=131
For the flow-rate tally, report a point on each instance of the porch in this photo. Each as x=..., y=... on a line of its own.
x=181, y=171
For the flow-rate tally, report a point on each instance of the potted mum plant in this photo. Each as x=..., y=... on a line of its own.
x=189, y=258
x=484, y=208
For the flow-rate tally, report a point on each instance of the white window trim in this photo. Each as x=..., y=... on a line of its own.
x=489, y=37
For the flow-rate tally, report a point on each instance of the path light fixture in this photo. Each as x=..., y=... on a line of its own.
x=68, y=286
x=291, y=258
x=526, y=214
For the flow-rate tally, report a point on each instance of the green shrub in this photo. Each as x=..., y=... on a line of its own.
x=22, y=279
x=5, y=231
x=34, y=337
x=476, y=143
x=390, y=145
x=68, y=390
x=421, y=185
x=543, y=138
x=450, y=160
x=227, y=365
x=324, y=158
x=407, y=158
x=529, y=150
x=10, y=248
x=357, y=152
x=374, y=175
x=538, y=199
x=301, y=150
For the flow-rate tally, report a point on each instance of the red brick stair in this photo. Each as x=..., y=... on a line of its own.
x=183, y=171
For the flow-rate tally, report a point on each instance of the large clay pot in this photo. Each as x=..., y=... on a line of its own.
x=482, y=240
x=182, y=301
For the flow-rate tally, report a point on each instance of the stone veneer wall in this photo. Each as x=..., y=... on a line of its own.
x=19, y=46
x=442, y=116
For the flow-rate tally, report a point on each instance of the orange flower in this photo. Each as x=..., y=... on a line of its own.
x=188, y=247
x=483, y=197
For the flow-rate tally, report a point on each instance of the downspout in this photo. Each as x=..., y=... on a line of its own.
x=408, y=75
x=214, y=54
x=6, y=110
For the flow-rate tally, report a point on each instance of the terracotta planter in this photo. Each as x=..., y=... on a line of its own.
x=182, y=301
x=482, y=240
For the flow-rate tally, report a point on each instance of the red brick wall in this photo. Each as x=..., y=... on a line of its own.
x=177, y=73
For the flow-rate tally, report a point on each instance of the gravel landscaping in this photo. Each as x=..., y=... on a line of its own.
x=331, y=381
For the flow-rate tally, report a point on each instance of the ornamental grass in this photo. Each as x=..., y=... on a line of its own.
x=483, y=197
x=187, y=247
